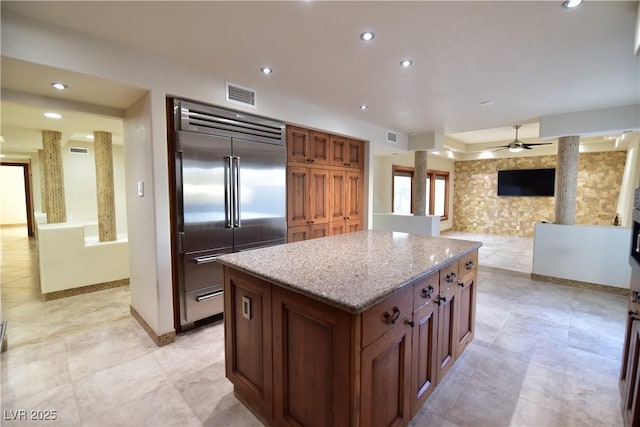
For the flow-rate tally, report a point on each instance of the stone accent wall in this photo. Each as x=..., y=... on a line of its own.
x=478, y=209
x=55, y=205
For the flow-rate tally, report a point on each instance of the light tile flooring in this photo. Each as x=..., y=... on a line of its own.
x=544, y=355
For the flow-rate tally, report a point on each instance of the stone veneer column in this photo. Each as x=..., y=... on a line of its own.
x=566, y=180
x=420, y=184
x=104, y=186
x=43, y=182
x=55, y=204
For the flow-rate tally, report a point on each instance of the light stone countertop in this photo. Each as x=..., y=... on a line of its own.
x=351, y=271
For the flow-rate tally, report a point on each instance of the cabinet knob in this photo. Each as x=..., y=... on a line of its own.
x=469, y=265
x=426, y=292
x=633, y=315
x=635, y=296
x=390, y=319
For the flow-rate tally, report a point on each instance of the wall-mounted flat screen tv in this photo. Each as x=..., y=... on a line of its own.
x=526, y=182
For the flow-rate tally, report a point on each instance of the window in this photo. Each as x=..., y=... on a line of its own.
x=437, y=191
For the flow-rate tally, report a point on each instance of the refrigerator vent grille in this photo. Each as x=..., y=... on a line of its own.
x=241, y=95
x=78, y=150
x=218, y=121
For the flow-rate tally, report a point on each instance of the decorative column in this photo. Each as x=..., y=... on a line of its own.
x=43, y=182
x=566, y=180
x=420, y=184
x=104, y=186
x=55, y=205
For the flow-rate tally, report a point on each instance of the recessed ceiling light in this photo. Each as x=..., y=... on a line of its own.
x=266, y=70
x=52, y=115
x=570, y=4
x=59, y=86
x=367, y=36
x=363, y=107
x=406, y=63
x=487, y=103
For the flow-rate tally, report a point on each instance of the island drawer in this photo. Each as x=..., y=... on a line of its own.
x=385, y=315
x=449, y=276
x=468, y=262
x=426, y=290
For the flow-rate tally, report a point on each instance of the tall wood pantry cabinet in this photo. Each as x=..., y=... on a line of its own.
x=325, y=184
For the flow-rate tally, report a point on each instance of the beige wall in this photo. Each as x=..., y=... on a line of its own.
x=478, y=209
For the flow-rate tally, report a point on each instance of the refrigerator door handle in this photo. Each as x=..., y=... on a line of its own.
x=228, y=189
x=236, y=192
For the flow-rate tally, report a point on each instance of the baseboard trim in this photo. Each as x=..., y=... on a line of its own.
x=50, y=296
x=160, y=340
x=581, y=285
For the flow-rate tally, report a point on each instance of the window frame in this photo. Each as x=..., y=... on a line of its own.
x=432, y=174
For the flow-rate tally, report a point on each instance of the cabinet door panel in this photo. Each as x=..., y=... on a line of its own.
x=319, y=196
x=319, y=148
x=311, y=362
x=318, y=230
x=297, y=234
x=424, y=364
x=355, y=154
x=353, y=225
x=386, y=369
x=248, y=346
x=630, y=401
x=297, y=144
x=297, y=196
x=355, y=196
x=336, y=228
x=338, y=196
x=338, y=150
x=466, y=312
x=447, y=326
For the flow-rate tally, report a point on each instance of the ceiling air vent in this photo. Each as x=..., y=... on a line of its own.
x=78, y=150
x=241, y=95
x=392, y=137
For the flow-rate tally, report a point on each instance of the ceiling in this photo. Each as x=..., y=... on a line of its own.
x=530, y=59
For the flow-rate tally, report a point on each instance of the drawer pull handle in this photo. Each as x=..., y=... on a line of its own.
x=461, y=284
x=633, y=315
x=451, y=277
x=206, y=259
x=426, y=292
x=410, y=323
x=469, y=265
x=635, y=296
x=203, y=297
x=441, y=299
x=390, y=319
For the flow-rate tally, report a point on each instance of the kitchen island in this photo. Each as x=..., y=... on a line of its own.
x=356, y=329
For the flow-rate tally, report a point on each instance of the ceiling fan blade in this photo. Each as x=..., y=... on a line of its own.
x=500, y=146
x=541, y=143
x=526, y=147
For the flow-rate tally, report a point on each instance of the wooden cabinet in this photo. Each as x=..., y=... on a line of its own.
x=307, y=146
x=346, y=152
x=425, y=338
x=629, y=372
x=248, y=344
x=307, y=196
x=331, y=193
x=347, y=199
x=311, y=362
x=298, y=361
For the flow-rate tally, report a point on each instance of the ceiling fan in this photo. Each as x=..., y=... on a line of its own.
x=516, y=146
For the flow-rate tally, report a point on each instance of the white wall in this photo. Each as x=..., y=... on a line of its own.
x=29, y=41
x=383, y=166
x=13, y=207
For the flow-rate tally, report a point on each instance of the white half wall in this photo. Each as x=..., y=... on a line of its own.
x=584, y=253
x=423, y=225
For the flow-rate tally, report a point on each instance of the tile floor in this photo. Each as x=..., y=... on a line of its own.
x=544, y=355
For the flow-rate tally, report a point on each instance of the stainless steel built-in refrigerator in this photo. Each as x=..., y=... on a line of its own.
x=230, y=177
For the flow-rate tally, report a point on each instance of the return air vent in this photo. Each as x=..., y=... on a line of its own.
x=78, y=150
x=392, y=137
x=241, y=95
